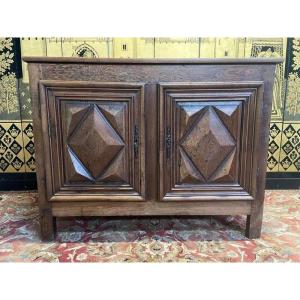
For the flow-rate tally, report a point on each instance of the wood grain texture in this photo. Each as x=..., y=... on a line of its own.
x=208, y=142
x=151, y=137
x=45, y=208
x=94, y=138
x=61, y=209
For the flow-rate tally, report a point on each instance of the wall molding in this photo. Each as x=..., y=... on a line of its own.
x=17, y=181
x=283, y=180
x=27, y=181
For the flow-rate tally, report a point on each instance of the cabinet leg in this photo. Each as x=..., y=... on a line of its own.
x=47, y=225
x=253, y=225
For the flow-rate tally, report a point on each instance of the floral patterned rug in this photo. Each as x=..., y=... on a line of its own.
x=192, y=239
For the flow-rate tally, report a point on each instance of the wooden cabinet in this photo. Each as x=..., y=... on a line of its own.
x=151, y=137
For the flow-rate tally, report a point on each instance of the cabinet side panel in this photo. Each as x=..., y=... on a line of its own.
x=34, y=75
x=46, y=219
x=254, y=220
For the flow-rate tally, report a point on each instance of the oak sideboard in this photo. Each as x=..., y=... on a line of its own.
x=128, y=137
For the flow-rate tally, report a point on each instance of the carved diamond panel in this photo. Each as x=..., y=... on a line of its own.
x=208, y=146
x=208, y=138
x=97, y=146
x=92, y=146
x=77, y=170
x=75, y=113
x=189, y=112
x=115, y=114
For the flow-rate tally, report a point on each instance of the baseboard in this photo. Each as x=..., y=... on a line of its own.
x=27, y=181
x=283, y=180
x=17, y=181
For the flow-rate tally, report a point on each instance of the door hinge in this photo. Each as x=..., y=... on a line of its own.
x=136, y=141
x=168, y=142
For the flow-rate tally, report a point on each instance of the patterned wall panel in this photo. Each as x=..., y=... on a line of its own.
x=15, y=102
x=274, y=146
x=28, y=142
x=11, y=147
x=292, y=106
x=290, y=143
x=9, y=72
x=290, y=149
x=275, y=47
x=11, y=137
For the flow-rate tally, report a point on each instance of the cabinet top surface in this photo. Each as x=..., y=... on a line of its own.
x=200, y=61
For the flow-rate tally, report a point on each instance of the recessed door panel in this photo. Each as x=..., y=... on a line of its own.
x=207, y=147
x=207, y=133
x=95, y=147
x=96, y=140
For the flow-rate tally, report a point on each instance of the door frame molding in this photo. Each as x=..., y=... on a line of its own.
x=52, y=92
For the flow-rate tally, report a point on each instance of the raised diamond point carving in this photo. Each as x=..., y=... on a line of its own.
x=95, y=142
x=208, y=143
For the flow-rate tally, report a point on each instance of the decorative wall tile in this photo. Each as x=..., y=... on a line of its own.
x=290, y=148
x=9, y=102
x=25, y=101
x=11, y=148
x=28, y=141
x=274, y=147
x=82, y=47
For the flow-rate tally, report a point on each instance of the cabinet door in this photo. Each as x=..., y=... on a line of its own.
x=208, y=137
x=93, y=133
